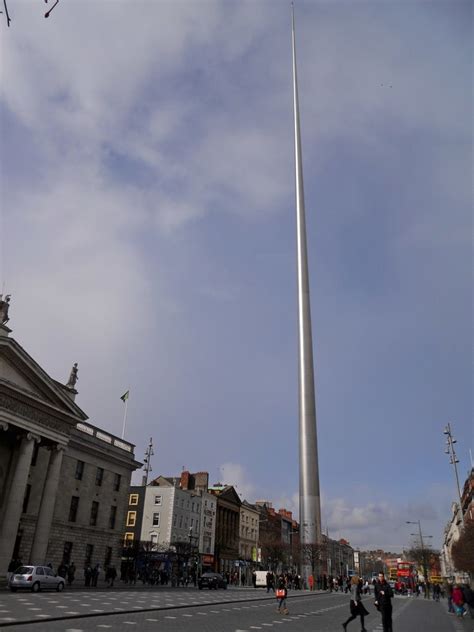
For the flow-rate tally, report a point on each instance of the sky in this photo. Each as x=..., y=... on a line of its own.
x=147, y=232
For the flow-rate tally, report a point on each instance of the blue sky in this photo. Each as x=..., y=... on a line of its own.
x=148, y=233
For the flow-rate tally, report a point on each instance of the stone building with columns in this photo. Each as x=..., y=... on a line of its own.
x=64, y=483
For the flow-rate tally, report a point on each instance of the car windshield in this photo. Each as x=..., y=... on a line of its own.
x=24, y=570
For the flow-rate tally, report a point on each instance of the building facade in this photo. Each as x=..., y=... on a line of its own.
x=227, y=528
x=173, y=515
x=63, y=482
x=459, y=513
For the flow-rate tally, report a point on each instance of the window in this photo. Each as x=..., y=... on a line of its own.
x=131, y=518
x=157, y=500
x=154, y=539
x=192, y=522
x=73, y=509
x=180, y=521
x=128, y=538
x=79, y=470
x=99, y=477
x=133, y=499
x=89, y=553
x=112, y=516
x=192, y=507
x=156, y=519
x=40, y=570
x=117, y=481
x=174, y=520
x=108, y=556
x=26, y=498
x=94, y=513
x=67, y=550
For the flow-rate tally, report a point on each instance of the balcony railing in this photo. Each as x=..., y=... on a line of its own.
x=104, y=436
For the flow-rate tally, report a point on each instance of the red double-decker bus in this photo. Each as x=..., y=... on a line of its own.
x=404, y=569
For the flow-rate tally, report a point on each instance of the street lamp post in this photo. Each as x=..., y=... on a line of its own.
x=423, y=552
x=450, y=441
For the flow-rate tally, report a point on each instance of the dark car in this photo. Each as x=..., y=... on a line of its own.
x=211, y=580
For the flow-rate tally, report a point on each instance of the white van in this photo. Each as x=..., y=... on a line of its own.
x=261, y=579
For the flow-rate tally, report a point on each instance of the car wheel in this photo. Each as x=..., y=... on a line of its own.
x=36, y=587
x=60, y=587
x=13, y=589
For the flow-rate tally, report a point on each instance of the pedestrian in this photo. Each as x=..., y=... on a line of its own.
x=110, y=576
x=95, y=575
x=458, y=601
x=468, y=595
x=254, y=579
x=383, y=601
x=71, y=572
x=356, y=606
x=270, y=582
x=449, y=592
x=281, y=595
x=87, y=576
x=311, y=582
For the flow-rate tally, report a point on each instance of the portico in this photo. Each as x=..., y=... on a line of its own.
x=36, y=414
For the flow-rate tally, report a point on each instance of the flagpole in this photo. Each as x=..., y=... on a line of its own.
x=124, y=418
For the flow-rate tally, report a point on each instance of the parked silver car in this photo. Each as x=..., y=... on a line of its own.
x=35, y=578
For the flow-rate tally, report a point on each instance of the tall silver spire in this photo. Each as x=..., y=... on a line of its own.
x=310, y=504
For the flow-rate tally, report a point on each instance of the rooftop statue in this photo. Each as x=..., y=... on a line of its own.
x=73, y=377
x=4, y=306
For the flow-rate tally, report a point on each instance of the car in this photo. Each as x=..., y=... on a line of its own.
x=35, y=578
x=212, y=580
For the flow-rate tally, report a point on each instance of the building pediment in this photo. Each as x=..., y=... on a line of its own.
x=230, y=495
x=24, y=385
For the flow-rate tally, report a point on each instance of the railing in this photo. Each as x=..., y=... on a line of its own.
x=104, y=436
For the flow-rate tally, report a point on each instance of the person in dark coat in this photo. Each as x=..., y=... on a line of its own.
x=383, y=601
x=71, y=573
x=270, y=581
x=357, y=607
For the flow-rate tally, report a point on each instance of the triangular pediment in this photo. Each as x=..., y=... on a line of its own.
x=229, y=494
x=14, y=376
x=20, y=373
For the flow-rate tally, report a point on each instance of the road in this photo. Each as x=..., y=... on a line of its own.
x=191, y=610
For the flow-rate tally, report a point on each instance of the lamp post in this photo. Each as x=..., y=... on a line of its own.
x=423, y=553
x=450, y=441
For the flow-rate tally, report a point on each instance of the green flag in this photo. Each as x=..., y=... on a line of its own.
x=125, y=396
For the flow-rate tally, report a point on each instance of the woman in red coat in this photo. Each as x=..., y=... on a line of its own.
x=458, y=600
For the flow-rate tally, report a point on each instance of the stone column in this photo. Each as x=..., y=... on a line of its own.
x=46, y=510
x=14, y=502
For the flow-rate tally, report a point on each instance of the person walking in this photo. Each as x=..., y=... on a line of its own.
x=71, y=573
x=458, y=601
x=281, y=595
x=357, y=608
x=270, y=582
x=383, y=601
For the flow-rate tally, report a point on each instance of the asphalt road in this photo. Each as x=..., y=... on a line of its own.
x=190, y=610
